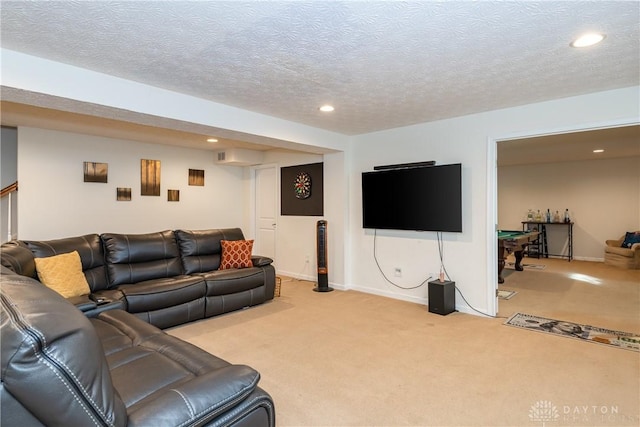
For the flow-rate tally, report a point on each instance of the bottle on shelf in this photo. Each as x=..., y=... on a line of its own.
x=566, y=216
x=548, y=218
x=538, y=216
x=530, y=215
x=556, y=217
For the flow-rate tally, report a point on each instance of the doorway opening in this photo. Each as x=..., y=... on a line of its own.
x=535, y=171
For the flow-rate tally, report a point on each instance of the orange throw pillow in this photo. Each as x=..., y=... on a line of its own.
x=236, y=254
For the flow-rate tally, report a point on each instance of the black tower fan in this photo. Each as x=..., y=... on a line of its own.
x=321, y=240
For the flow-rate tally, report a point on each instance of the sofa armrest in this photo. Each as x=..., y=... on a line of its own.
x=260, y=261
x=635, y=247
x=200, y=400
x=615, y=243
x=82, y=303
x=17, y=257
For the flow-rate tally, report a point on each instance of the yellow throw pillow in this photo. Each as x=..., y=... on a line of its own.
x=63, y=273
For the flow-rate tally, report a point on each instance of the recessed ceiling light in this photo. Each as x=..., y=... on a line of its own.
x=588, y=40
x=327, y=108
x=599, y=150
x=212, y=140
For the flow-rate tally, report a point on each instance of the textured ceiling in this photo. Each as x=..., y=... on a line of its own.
x=382, y=64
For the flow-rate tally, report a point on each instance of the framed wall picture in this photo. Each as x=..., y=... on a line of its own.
x=149, y=177
x=302, y=190
x=96, y=172
x=196, y=177
x=123, y=194
x=173, y=195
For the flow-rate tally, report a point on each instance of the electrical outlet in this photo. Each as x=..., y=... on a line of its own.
x=397, y=272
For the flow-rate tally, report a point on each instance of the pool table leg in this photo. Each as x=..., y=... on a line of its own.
x=500, y=263
x=518, y=255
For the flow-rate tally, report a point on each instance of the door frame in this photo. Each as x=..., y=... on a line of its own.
x=492, y=192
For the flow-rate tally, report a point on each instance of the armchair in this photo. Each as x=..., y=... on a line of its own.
x=617, y=255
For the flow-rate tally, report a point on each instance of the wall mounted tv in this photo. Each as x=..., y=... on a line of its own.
x=413, y=198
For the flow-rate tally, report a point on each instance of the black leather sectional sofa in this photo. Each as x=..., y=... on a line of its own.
x=165, y=278
x=85, y=362
x=61, y=368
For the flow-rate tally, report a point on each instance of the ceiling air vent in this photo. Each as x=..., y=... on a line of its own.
x=239, y=157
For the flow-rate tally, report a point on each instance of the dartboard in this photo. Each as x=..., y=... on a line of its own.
x=302, y=185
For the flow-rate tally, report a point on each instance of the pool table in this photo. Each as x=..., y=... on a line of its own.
x=513, y=241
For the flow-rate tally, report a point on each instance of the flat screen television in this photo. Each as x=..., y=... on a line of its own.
x=413, y=198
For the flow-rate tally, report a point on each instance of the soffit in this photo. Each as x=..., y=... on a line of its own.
x=617, y=142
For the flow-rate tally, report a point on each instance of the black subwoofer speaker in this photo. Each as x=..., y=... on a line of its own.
x=442, y=297
x=321, y=244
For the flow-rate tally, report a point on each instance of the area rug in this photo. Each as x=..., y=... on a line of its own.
x=512, y=265
x=506, y=294
x=619, y=339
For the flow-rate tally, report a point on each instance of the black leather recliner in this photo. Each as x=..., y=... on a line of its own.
x=147, y=269
x=226, y=290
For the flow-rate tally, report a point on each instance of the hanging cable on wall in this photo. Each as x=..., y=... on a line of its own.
x=375, y=257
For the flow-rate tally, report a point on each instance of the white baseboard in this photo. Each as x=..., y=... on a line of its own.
x=309, y=278
x=460, y=305
x=589, y=259
x=297, y=276
x=388, y=294
x=577, y=258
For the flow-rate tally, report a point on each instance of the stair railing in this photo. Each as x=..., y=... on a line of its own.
x=9, y=191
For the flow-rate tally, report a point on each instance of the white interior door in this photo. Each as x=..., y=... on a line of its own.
x=266, y=204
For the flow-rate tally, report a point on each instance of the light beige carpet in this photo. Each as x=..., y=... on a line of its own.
x=353, y=359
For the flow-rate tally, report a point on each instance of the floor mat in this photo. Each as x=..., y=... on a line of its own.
x=619, y=339
x=525, y=265
x=506, y=294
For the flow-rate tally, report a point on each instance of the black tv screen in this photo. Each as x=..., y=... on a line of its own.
x=419, y=198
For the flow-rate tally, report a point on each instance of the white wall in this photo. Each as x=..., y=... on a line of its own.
x=55, y=202
x=336, y=210
x=296, y=236
x=603, y=198
x=416, y=253
x=470, y=256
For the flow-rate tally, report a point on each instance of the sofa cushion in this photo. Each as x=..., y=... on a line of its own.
x=236, y=254
x=63, y=274
x=52, y=360
x=133, y=258
x=201, y=250
x=89, y=248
